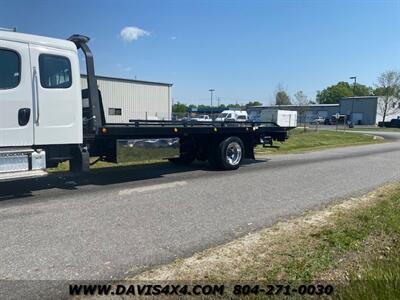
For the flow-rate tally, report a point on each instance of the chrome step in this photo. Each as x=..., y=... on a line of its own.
x=22, y=175
x=6, y=151
x=14, y=160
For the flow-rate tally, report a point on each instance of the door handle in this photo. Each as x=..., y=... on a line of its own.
x=36, y=93
x=24, y=115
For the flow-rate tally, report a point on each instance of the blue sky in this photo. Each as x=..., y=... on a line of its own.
x=242, y=49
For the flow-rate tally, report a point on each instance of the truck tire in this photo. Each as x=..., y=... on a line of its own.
x=226, y=155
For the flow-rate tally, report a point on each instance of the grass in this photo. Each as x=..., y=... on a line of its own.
x=380, y=275
x=381, y=280
x=300, y=141
x=353, y=245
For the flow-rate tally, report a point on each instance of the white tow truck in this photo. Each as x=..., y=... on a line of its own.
x=46, y=118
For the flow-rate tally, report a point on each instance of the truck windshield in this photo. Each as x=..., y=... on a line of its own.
x=222, y=115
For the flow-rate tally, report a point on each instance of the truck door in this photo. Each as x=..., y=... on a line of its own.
x=57, y=96
x=16, y=119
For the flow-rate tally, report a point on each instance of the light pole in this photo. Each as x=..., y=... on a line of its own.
x=211, y=91
x=354, y=93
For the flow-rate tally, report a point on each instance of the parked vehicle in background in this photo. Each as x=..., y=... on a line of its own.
x=202, y=118
x=394, y=123
x=242, y=118
x=232, y=115
x=327, y=121
x=341, y=120
x=318, y=120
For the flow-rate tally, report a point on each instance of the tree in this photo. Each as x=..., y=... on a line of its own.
x=236, y=105
x=342, y=89
x=253, y=103
x=281, y=96
x=388, y=87
x=302, y=101
x=362, y=90
x=191, y=107
x=179, y=108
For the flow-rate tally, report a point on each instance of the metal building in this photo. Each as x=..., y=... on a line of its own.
x=127, y=99
x=362, y=110
x=312, y=111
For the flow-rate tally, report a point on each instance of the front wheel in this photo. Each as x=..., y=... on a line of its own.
x=227, y=155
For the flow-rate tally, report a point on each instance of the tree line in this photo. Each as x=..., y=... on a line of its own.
x=179, y=107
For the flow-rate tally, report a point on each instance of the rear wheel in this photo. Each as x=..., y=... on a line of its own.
x=227, y=155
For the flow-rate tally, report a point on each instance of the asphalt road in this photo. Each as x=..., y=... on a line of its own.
x=114, y=224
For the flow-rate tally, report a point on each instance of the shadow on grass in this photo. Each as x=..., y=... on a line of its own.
x=102, y=177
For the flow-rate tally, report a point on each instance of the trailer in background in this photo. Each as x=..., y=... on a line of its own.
x=283, y=118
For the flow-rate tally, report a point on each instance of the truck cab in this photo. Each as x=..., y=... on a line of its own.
x=40, y=99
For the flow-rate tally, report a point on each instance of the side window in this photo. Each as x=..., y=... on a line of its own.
x=115, y=111
x=10, y=70
x=55, y=71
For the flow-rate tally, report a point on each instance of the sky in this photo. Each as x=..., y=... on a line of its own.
x=242, y=49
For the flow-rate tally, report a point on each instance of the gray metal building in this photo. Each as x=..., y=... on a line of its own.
x=364, y=110
x=312, y=111
x=127, y=99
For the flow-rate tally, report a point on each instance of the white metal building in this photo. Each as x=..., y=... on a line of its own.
x=127, y=99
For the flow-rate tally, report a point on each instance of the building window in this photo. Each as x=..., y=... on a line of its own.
x=10, y=69
x=115, y=111
x=55, y=71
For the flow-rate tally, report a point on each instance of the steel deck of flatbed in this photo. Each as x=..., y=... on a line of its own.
x=177, y=128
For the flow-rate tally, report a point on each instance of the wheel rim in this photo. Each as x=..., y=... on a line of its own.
x=233, y=153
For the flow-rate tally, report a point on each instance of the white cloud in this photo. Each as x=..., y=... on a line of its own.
x=131, y=33
x=173, y=38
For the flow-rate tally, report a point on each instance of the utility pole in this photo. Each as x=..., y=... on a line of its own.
x=354, y=94
x=211, y=91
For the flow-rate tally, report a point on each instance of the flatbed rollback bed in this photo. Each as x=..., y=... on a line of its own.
x=202, y=141
x=223, y=144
